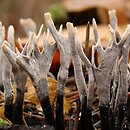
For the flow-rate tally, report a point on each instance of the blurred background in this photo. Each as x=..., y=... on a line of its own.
x=77, y=11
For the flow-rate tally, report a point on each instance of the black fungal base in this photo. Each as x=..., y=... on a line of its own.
x=104, y=115
x=112, y=120
x=18, y=109
x=86, y=117
x=122, y=114
x=8, y=111
x=48, y=112
x=59, y=113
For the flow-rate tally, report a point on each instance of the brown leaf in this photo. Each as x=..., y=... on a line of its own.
x=31, y=96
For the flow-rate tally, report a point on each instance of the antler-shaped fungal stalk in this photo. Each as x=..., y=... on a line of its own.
x=77, y=63
x=64, y=49
x=105, y=69
x=88, y=65
x=91, y=80
x=7, y=74
x=20, y=78
x=36, y=65
x=114, y=22
x=122, y=84
x=87, y=39
x=2, y=38
x=77, y=53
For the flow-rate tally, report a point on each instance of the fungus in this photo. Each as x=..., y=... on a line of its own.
x=64, y=48
x=36, y=65
x=111, y=76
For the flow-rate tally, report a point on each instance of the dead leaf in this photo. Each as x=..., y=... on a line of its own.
x=2, y=110
x=31, y=96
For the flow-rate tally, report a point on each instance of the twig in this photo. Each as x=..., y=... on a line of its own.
x=73, y=97
x=69, y=94
x=73, y=100
x=32, y=115
x=25, y=121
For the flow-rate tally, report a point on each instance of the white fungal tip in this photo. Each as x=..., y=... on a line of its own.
x=4, y=46
x=47, y=17
x=94, y=21
x=17, y=51
x=61, y=28
x=128, y=27
x=40, y=31
x=19, y=40
x=111, y=12
x=70, y=27
x=76, y=31
x=98, y=42
x=3, y=29
x=25, y=21
x=11, y=29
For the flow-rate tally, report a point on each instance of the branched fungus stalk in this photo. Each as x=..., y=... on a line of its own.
x=6, y=76
x=122, y=95
x=105, y=69
x=20, y=78
x=36, y=66
x=2, y=38
x=77, y=52
x=121, y=72
x=64, y=49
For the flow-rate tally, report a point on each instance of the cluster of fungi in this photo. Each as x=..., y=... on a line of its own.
x=111, y=76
